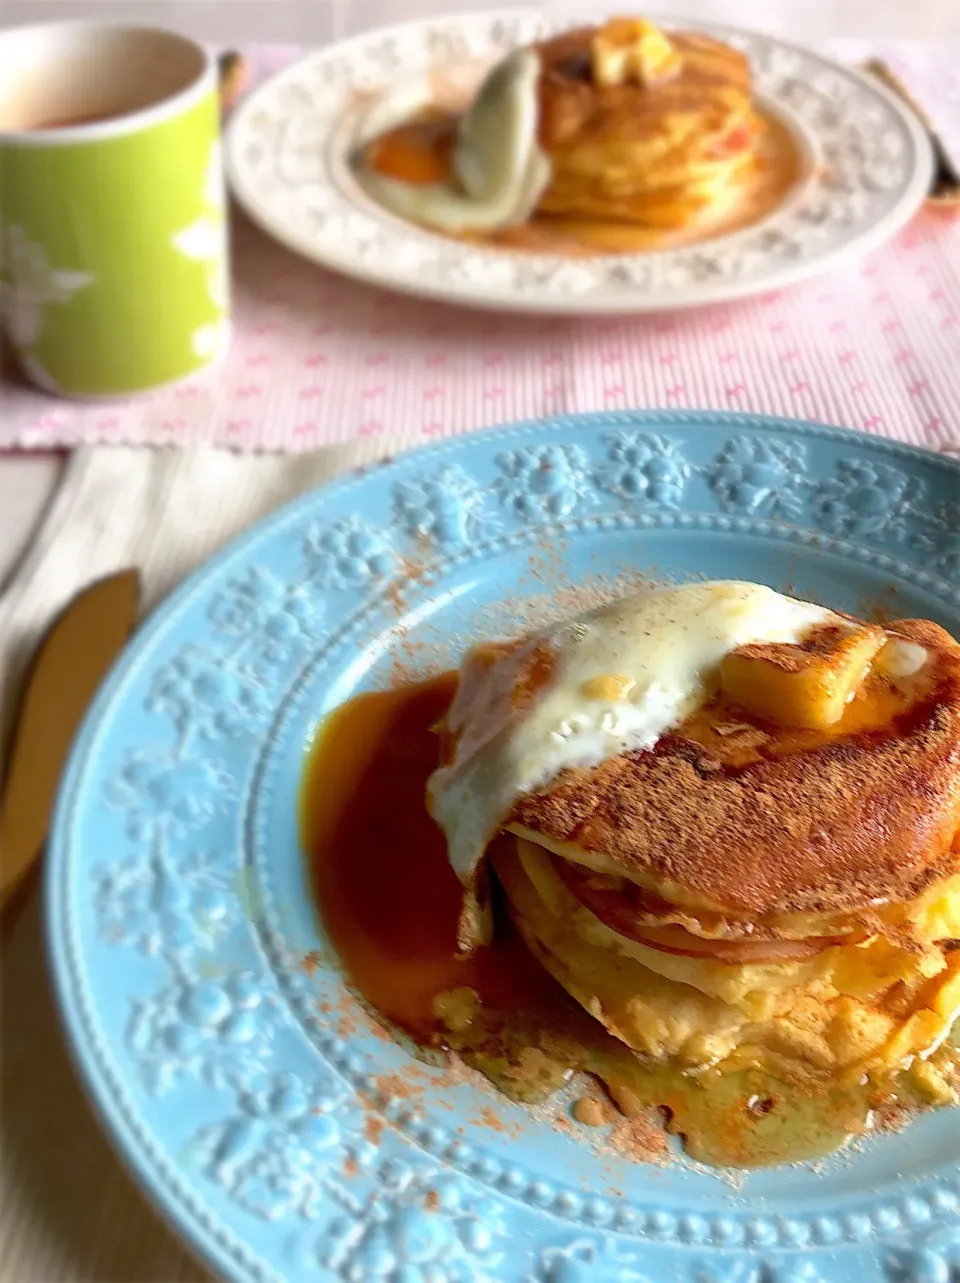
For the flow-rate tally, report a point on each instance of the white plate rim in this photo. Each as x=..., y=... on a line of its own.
x=383, y=272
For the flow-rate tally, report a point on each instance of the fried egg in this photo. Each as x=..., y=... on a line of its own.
x=498, y=169
x=608, y=682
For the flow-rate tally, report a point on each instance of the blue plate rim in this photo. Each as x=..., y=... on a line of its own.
x=208, y=1239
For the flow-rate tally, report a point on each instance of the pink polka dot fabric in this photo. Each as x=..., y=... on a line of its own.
x=318, y=359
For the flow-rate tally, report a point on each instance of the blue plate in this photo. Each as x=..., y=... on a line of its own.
x=180, y=912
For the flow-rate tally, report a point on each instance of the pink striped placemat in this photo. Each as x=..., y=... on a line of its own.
x=317, y=358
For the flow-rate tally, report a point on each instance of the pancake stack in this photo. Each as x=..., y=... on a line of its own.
x=644, y=128
x=619, y=123
x=774, y=880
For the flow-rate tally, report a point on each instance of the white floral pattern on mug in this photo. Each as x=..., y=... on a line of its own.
x=28, y=283
x=210, y=340
x=204, y=238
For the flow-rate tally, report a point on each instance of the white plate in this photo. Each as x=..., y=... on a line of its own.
x=289, y=143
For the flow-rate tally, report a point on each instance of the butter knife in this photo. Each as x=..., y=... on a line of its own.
x=69, y=665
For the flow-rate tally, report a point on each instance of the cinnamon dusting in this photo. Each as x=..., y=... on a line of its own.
x=819, y=830
x=397, y=946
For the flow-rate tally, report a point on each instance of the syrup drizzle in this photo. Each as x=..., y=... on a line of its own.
x=390, y=903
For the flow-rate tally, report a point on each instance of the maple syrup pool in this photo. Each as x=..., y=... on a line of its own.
x=390, y=901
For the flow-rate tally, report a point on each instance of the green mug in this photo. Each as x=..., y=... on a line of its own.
x=113, y=242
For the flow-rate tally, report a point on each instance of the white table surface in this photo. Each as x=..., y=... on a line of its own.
x=317, y=21
x=26, y=483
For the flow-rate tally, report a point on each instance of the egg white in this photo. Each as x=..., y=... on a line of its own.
x=500, y=170
x=666, y=645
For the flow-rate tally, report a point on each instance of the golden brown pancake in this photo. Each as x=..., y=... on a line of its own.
x=655, y=153
x=775, y=880
x=837, y=828
x=620, y=127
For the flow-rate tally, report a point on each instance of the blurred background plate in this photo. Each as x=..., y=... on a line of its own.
x=869, y=167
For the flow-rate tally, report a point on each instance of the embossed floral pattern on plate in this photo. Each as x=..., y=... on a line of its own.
x=242, y=1080
x=288, y=149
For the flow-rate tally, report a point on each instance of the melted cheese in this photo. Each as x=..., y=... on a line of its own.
x=828, y=1014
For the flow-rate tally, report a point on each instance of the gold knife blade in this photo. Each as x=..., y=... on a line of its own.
x=70, y=663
